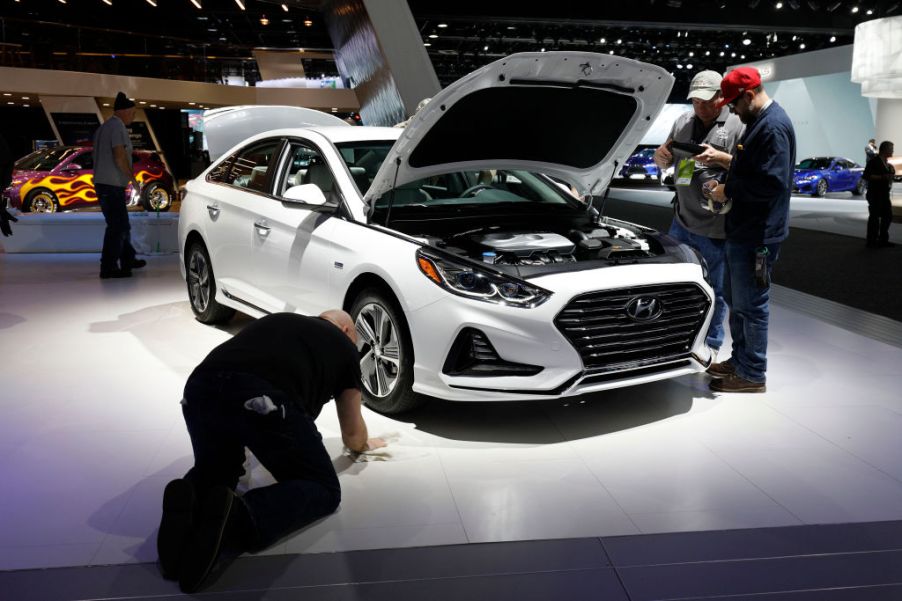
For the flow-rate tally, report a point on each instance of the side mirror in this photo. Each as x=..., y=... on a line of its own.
x=310, y=194
x=73, y=167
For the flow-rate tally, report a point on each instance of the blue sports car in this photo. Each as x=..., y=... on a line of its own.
x=819, y=175
x=640, y=165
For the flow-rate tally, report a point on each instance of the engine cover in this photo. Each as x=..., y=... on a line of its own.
x=524, y=245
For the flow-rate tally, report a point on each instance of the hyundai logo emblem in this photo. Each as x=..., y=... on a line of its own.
x=644, y=308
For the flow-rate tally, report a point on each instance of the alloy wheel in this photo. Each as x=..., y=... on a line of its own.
x=199, y=281
x=42, y=202
x=377, y=340
x=158, y=199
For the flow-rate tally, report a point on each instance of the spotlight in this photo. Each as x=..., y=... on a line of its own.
x=854, y=9
x=264, y=21
x=778, y=5
x=832, y=38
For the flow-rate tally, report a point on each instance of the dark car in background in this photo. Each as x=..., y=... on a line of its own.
x=818, y=175
x=640, y=165
x=62, y=178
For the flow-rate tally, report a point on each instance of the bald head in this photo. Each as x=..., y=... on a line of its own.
x=342, y=321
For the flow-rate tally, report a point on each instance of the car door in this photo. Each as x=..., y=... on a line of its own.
x=231, y=210
x=292, y=257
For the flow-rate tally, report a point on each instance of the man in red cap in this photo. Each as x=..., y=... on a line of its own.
x=759, y=184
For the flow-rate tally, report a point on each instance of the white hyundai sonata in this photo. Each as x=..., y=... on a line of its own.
x=466, y=246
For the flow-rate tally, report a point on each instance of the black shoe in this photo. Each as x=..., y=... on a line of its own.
x=106, y=274
x=218, y=537
x=175, y=526
x=137, y=263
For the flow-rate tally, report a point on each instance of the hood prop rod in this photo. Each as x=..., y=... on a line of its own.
x=607, y=190
x=394, y=184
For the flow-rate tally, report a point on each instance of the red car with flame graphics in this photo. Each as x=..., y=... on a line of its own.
x=62, y=178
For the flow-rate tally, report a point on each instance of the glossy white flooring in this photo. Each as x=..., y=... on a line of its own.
x=90, y=432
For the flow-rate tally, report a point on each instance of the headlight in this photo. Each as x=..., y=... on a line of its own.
x=471, y=282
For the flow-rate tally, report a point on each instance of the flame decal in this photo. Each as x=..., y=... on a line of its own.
x=145, y=176
x=68, y=190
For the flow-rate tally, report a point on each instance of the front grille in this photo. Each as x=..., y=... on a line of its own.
x=606, y=337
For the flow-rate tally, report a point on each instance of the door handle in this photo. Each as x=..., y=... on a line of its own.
x=262, y=228
x=213, y=210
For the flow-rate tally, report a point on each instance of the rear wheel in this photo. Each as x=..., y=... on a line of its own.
x=821, y=188
x=41, y=201
x=861, y=187
x=202, y=287
x=156, y=197
x=386, y=353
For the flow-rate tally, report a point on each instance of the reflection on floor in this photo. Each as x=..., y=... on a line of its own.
x=90, y=432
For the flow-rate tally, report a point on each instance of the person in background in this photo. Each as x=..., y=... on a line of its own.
x=694, y=223
x=6, y=178
x=112, y=173
x=262, y=390
x=870, y=151
x=759, y=185
x=879, y=176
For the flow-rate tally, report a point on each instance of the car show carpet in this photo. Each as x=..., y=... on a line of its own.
x=90, y=432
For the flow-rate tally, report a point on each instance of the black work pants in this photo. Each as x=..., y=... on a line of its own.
x=285, y=441
x=880, y=215
x=117, y=252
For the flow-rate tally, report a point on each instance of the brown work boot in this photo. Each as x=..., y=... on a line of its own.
x=734, y=383
x=721, y=370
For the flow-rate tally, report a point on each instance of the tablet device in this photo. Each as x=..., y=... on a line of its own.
x=689, y=147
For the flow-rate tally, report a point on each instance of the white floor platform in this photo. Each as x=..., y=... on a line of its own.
x=90, y=432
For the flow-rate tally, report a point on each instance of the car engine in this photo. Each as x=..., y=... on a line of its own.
x=538, y=248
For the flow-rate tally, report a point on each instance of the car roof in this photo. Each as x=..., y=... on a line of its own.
x=337, y=135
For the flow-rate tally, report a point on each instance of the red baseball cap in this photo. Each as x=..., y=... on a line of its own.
x=738, y=81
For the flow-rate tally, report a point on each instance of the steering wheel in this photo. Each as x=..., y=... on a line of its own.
x=474, y=190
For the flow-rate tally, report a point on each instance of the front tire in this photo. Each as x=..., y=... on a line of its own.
x=821, y=188
x=386, y=353
x=41, y=201
x=861, y=187
x=156, y=198
x=202, y=287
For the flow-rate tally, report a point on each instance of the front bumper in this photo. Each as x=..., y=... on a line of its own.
x=531, y=337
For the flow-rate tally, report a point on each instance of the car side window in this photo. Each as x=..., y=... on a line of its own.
x=251, y=166
x=86, y=160
x=307, y=165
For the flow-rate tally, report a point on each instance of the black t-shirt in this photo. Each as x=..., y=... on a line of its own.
x=877, y=190
x=308, y=358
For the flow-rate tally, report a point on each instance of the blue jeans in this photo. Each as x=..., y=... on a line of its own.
x=749, y=311
x=285, y=441
x=117, y=244
x=712, y=250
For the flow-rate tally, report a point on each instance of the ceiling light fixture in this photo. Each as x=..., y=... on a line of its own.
x=833, y=6
x=264, y=21
x=308, y=22
x=108, y=2
x=779, y=5
x=832, y=38
x=854, y=9
x=802, y=46
x=442, y=25
x=197, y=4
x=153, y=3
x=240, y=4
x=869, y=12
x=285, y=7
x=689, y=66
x=746, y=42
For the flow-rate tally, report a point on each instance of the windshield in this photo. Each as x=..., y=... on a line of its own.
x=45, y=160
x=821, y=163
x=646, y=153
x=364, y=159
x=486, y=188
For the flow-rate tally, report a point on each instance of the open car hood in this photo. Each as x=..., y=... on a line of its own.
x=573, y=115
x=226, y=127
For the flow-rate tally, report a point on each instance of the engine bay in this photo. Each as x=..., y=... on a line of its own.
x=503, y=246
